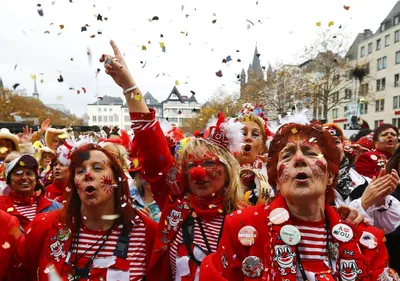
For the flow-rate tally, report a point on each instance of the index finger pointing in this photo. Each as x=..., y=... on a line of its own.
x=115, y=48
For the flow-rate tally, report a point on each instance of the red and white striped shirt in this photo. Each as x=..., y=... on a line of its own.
x=28, y=211
x=136, y=251
x=212, y=229
x=313, y=241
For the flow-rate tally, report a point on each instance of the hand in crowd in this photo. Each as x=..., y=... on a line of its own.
x=351, y=215
x=260, y=159
x=44, y=126
x=116, y=67
x=26, y=136
x=379, y=188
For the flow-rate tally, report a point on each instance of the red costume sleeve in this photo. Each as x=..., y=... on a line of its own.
x=10, y=240
x=366, y=166
x=153, y=148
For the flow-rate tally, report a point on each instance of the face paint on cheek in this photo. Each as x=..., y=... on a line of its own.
x=107, y=184
x=78, y=186
x=319, y=169
x=381, y=139
x=283, y=173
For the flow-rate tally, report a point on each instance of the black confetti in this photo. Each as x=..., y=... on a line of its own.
x=214, y=21
x=154, y=18
x=99, y=17
x=15, y=86
x=60, y=79
x=83, y=28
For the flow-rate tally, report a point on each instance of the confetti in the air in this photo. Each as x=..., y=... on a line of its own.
x=346, y=7
x=40, y=10
x=60, y=78
x=219, y=73
x=318, y=23
x=331, y=23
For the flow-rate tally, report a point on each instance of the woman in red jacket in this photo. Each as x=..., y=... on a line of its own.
x=60, y=174
x=97, y=235
x=370, y=163
x=194, y=194
x=299, y=236
x=26, y=198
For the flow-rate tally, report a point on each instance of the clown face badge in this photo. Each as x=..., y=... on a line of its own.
x=349, y=270
x=174, y=219
x=284, y=256
x=57, y=250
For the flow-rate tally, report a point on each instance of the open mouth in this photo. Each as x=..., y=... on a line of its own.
x=247, y=148
x=201, y=182
x=25, y=185
x=301, y=177
x=89, y=190
x=390, y=142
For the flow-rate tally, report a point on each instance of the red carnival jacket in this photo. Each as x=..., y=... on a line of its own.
x=152, y=148
x=370, y=163
x=264, y=259
x=43, y=205
x=55, y=191
x=10, y=239
x=44, y=232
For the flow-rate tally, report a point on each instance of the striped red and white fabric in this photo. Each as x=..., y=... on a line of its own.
x=142, y=124
x=211, y=229
x=136, y=251
x=27, y=211
x=313, y=241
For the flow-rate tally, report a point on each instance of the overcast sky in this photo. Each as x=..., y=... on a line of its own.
x=281, y=28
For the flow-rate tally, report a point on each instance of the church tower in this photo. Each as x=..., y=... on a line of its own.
x=35, y=90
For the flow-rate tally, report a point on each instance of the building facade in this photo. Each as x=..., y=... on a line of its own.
x=111, y=111
x=378, y=94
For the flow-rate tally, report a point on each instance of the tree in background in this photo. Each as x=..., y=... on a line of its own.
x=12, y=104
x=220, y=102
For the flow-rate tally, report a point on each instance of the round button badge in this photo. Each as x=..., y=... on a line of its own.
x=342, y=232
x=247, y=235
x=290, y=235
x=368, y=240
x=279, y=216
x=252, y=267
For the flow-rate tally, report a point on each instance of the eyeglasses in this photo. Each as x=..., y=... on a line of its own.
x=210, y=164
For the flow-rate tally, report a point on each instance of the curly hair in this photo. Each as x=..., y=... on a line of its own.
x=324, y=140
x=251, y=117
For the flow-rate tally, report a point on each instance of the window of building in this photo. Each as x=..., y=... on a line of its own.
x=335, y=113
x=384, y=26
x=148, y=101
x=126, y=119
x=398, y=57
x=347, y=94
x=396, y=80
x=363, y=108
x=319, y=112
x=370, y=48
x=173, y=119
x=396, y=19
x=110, y=109
x=99, y=109
x=396, y=36
x=125, y=109
x=380, y=105
x=364, y=88
x=395, y=102
x=381, y=84
x=105, y=118
x=382, y=63
x=387, y=40
x=336, y=79
x=100, y=119
x=110, y=118
x=335, y=97
x=115, y=118
x=362, y=52
x=378, y=44
x=94, y=118
x=377, y=123
x=396, y=122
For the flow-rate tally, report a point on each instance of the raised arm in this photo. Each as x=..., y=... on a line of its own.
x=149, y=139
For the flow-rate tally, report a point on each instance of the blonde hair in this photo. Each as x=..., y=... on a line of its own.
x=233, y=188
x=119, y=150
x=251, y=117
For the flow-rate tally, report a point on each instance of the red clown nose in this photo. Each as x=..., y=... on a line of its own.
x=198, y=173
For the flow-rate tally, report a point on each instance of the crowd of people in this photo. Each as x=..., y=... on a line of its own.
x=239, y=200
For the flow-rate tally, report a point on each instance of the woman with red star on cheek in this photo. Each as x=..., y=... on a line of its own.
x=97, y=235
x=299, y=236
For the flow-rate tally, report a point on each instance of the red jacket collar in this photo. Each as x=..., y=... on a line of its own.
x=387, y=154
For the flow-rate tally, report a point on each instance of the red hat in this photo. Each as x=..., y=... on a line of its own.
x=367, y=141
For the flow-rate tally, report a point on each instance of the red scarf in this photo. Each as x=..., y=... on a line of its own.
x=21, y=200
x=207, y=209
